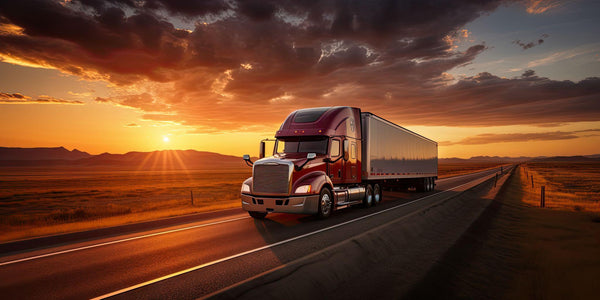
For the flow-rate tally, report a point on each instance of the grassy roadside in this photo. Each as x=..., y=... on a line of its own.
x=516, y=250
x=35, y=204
x=573, y=186
x=560, y=249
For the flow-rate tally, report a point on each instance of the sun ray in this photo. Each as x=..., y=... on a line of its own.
x=184, y=168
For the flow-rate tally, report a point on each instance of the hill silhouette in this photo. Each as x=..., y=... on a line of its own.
x=155, y=160
x=56, y=153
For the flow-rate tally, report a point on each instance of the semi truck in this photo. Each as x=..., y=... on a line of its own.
x=328, y=158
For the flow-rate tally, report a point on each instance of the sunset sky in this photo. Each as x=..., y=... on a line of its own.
x=505, y=78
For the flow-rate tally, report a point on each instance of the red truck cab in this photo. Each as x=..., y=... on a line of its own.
x=315, y=150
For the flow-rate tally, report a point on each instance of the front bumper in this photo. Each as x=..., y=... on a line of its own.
x=308, y=204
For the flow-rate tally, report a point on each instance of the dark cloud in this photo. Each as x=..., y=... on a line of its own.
x=73, y=39
x=188, y=8
x=529, y=45
x=262, y=59
x=17, y=98
x=486, y=100
x=257, y=9
x=108, y=44
x=490, y=138
x=528, y=73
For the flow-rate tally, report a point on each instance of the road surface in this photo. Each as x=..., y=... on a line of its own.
x=198, y=258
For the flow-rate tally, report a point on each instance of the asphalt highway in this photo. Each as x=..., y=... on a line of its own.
x=199, y=257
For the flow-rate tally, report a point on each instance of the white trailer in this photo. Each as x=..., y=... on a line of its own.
x=395, y=155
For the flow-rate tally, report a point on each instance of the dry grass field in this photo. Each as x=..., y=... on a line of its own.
x=38, y=202
x=568, y=185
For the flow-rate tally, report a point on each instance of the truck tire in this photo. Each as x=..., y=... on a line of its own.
x=325, y=203
x=257, y=214
x=377, y=194
x=368, y=199
x=431, y=185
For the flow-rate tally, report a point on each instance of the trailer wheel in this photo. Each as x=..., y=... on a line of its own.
x=325, y=203
x=257, y=214
x=431, y=184
x=377, y=194
x=368, y=199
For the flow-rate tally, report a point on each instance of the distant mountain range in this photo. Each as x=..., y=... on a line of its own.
x=499, y=159
x=156, y=160
x=187, y=159
x=59, y=153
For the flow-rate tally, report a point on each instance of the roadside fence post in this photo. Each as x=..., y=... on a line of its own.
x=192, y=197
x=531, y=181
x=495, y=179
x=543, y=197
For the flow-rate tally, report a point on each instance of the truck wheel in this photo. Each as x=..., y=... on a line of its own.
x=257, y=214
x=431, y=184
x=368, y=199
x=325, y=203
x=377, y=194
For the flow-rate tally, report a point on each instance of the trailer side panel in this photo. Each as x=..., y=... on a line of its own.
x=393, y=152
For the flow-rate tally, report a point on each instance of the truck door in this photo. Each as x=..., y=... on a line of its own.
x=336, y=168
x=350, y=161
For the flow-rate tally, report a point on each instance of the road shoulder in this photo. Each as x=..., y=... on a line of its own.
x=516, y=251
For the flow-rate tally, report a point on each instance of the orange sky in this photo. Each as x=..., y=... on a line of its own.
x=117, y=78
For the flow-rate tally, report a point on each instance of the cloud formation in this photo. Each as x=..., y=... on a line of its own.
x=17, y=98
x=526, y=46
x=263, y=59
x=541, y=6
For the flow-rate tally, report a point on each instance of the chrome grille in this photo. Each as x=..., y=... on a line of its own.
x=271, y=178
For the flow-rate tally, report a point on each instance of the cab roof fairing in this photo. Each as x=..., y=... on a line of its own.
x=329, y=123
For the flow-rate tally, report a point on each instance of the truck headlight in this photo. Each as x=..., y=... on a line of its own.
x=303, y=189
x=245, y=188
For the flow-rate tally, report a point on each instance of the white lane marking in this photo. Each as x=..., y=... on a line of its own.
x=127, y=289
x=120, y=241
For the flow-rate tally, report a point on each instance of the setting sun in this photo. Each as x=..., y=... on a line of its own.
x=166, y=139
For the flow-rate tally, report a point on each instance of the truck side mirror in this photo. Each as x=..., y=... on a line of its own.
x=247, y=160
x=309, y=157
x=261, y=150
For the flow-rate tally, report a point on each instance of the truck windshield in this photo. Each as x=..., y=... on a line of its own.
x=302, y=145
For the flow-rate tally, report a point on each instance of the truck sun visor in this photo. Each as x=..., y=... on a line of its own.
x=309, y=115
